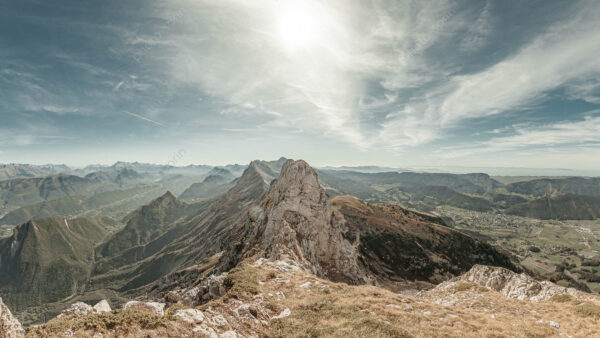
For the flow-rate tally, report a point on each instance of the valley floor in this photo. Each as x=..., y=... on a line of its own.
x=567, y=252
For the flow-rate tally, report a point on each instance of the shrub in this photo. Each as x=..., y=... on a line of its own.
x=242, y=281
x=595, y=262
x=561, y=298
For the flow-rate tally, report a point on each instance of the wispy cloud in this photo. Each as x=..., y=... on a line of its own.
x=565, y=53
x=582, y=133
x=478, y=33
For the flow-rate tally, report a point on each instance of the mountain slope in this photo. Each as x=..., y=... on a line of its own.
x=216, y=171
x=196, y=234
x=18, y=192
x=144, y=224
x=569, y=206
x=440, y=195
x=46, y=260
x=397, y=245
x=57, y=207
x=552, y=187
x=115, y=204
x=211, y=186
x=465, y=183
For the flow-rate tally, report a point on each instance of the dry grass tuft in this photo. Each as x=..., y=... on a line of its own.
x=588, y=310
x=562, y=299
x=242, y=282
x=172, y=309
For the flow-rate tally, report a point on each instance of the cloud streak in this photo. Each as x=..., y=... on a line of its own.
x=160, y=124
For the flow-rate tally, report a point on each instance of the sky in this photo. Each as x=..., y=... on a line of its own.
x=337, y=82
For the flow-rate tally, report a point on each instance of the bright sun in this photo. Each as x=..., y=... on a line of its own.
x=298, y=24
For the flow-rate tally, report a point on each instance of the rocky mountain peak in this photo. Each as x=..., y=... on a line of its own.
x=165, y=200
x=296, y=222
x=214, y=179
x=297, y=180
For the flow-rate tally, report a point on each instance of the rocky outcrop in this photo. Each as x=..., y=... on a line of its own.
x=193, y=316
x=210, y=288
x=9, y=325
x=295, y=221
x=510, y=284
x=102, y=306
x=77, y=309
x=80, y=309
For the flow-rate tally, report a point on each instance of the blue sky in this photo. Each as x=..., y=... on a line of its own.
x=393, y=83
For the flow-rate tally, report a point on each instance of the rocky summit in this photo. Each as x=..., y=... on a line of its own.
x=295, y=220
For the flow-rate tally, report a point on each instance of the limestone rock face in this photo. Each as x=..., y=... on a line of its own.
x=296, y=221
x=190, y=315
x=210, y=288
x=77, y=309
x=80, y=309
x=510, y=284
x=9, y=325
x=102, y=306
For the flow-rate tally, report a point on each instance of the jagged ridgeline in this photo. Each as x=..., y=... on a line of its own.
x=275, y=209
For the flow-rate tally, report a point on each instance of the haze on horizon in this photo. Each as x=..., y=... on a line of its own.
x=391, y=83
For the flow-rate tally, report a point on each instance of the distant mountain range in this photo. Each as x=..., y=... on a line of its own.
x=20, y=191
x=422, y=191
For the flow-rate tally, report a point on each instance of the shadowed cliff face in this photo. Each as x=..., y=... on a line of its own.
x=396, y=244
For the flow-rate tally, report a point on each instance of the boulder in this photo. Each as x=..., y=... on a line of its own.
x=77, y=309
x=190, y=315
x=210, y=288
x=245, y=310
x=102, y=306
x=283, y=314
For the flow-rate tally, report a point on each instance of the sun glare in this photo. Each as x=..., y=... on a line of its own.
x=298, y=24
